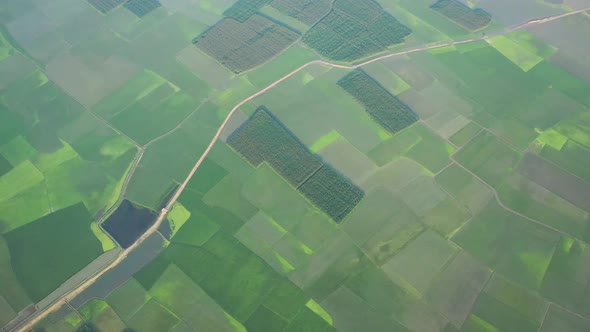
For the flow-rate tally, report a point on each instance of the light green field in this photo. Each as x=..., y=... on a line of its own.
x=128, y=299
x=19, y=179
x=387, y=78
x=416, y=266
x=430, y=247
x=190, y=303
x=518, y=54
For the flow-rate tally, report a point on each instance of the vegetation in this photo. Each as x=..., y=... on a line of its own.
x=391, y=113
x=242, y=10
x=456, y=11
x=44, y=256
x=332, y=193
x=264, y=138
x=142, y=7
x=355, y=29
x=106, y=6
x=336, y=206
x=306, y=11
x=241, y=46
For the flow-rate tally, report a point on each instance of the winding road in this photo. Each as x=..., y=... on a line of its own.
x=37, y=317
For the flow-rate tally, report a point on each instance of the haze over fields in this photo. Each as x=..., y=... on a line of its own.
x=294, y=165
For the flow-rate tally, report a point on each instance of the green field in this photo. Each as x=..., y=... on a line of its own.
x=441, y=187
x=33, y=246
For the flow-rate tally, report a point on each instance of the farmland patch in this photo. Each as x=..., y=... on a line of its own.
x=510, y=244
x=307, y=11
x=470, y=19
x=391, y=113
x=241, y=46
x=153, y=317
x=128, y=223
x=128, y=298
x=142, y=7
x=264, y=138
x=417, y=265
x=457, y=288
x=355, y=29
x=559, y=319
x=516, y=53
x=106, y=6
x=11, y=289
x=557, y=180
x=35, y=246
x=189, y=302
x=568, y=270
x=489, y=158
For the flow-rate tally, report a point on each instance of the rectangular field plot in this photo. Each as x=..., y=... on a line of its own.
x=244, y=9
x=566, y=276
x=241, y=46
x=418, y=264
x=559, y=319
x=510, y=244
x=458, y=287
x=332, y=193
x=263, y=138
x=64, y=235
x=105, y=6
x=306, y=11
x=355, y=29
x=489, y=158
x=142, y=7
x=391, y=113
x=470, y=19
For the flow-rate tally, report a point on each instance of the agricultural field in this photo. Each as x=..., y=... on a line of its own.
x=249, y=39
x=307, y=11
x=264, y=139
x=456, y=11
x=355, y=29
x=441, y=186
x=386, y=109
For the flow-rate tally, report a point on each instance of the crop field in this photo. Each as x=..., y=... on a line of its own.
x=142, y=7
x=386, y=109
x=354, y=30
x=242, y=10
x=246, y=44
x=106, y=6
x=443, y=187
x=32, y=247
x=264, y=139
x=456, y=11
x=306, y=11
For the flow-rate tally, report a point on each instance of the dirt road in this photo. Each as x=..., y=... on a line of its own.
x=87, y=283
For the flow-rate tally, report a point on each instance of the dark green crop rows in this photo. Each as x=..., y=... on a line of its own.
x=391, y=113
x=244, y=45
x=142, y=7
x=355, y=29
x=264, y=138
x=306, y=11
x=332, y=193
x=105, y=6
x=244, y=9
x=471, y=19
